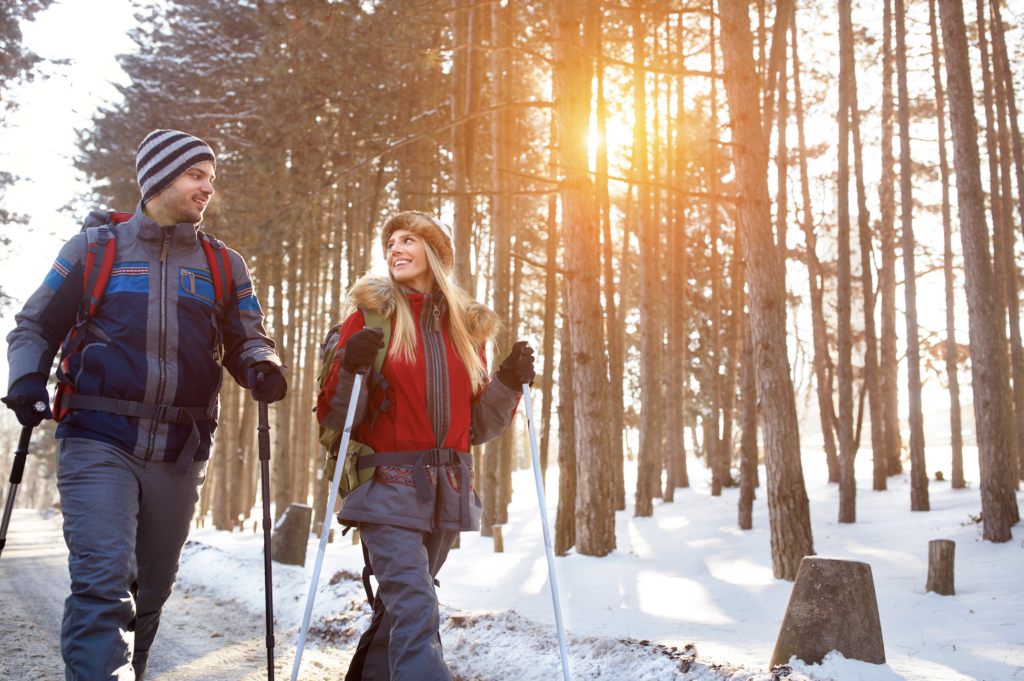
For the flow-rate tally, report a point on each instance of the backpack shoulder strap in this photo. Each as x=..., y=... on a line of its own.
x=375, y=320
x=101, y=244
x=99, y=261
x=219, y=259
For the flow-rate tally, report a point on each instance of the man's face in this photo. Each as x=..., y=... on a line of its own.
x=185, y=199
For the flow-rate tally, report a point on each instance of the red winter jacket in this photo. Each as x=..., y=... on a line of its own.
x=432, y=407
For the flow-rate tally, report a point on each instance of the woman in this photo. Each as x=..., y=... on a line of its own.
x=441, y=402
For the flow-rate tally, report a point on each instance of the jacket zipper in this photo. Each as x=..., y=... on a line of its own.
x=433, y=342
x=163, y=339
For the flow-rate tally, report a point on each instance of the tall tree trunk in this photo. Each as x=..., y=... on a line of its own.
x=782, y=168
x=595, y=514
x=550, y=308
x=465, y=101
x=788, y=508
x=678, y=266
x=1005, y=260
x=887, y=275
x=987, y=338
x=821, y=360
x=712, y=451
x=847, y=452
x=748, y=441
x=956, y=440
x=871, y=377
x=281, y=491
x=656, y=196
x=501, y=230
x=737, y=283
x=649, y=454
x=918, y=474
x=351, y=256
x=565, y=518
x=612, y=314
x=1018, y=158
x=996, y=204
x=222, y=519
x=337, y=242
x=244, y=495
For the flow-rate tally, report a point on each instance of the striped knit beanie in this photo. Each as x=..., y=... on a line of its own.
x=166, y=155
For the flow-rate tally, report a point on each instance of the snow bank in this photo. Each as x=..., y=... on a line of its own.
x=686, y=595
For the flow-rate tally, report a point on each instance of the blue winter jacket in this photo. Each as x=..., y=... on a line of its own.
x=151, y=340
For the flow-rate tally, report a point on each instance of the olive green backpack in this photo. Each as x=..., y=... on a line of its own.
x=351, y=477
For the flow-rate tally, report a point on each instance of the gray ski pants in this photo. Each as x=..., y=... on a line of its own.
x=125, y=522
x=403, y=642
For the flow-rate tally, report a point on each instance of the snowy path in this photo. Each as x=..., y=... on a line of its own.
x=201, y=635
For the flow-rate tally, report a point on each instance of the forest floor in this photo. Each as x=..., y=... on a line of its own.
x=201, y=636
x=685, y=596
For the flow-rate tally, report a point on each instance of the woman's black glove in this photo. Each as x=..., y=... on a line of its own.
x=361, y=349
x=29, y=400
x=267, y=382
x=517, y=368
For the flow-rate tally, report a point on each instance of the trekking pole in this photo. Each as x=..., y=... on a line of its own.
x=547, y=531
x=20, y=456
x=263, y=435
x=346, y=435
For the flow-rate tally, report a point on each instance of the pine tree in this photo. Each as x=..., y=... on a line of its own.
x=787, y=498
x=956, y=436
x=987, y=339
x=918, y=475
x=595, y=528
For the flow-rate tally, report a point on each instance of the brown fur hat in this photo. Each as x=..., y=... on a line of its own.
x=434, y=232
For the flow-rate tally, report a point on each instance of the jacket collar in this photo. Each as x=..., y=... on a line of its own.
x=417, y=300
x=183, y=235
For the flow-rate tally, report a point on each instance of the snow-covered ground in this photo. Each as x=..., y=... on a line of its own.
x=685, y=577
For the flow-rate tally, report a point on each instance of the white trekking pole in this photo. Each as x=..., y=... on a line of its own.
x=547, y=532
x=346, y=435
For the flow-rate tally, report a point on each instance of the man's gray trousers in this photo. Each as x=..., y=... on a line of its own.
x=125, y=522
x=403, y=642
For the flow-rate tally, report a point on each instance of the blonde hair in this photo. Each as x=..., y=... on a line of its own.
x=403, y=332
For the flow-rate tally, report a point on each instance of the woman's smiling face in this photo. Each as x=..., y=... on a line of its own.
x=407, y=261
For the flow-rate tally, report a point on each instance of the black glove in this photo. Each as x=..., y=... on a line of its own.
x=29, y=400
x=361, y=349
x=517, y=368
x=267, y=382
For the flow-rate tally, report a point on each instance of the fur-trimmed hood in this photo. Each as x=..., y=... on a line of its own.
x=375, y=293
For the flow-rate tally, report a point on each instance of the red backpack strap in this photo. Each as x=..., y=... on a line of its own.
x=99, y=261
x=220, y=268
x=219, y=260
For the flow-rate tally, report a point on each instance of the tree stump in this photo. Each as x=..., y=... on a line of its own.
x=318, y=529
x=940, y=567
x=291, y=535
x=499, y=545
x=832, y=607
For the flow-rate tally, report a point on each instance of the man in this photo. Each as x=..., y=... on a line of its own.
x=137, y=404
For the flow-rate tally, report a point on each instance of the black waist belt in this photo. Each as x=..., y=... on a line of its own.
x=419, y=460
x=158, y=412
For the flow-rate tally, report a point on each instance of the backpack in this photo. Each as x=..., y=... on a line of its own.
x=99, y=262
x=331, y=439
